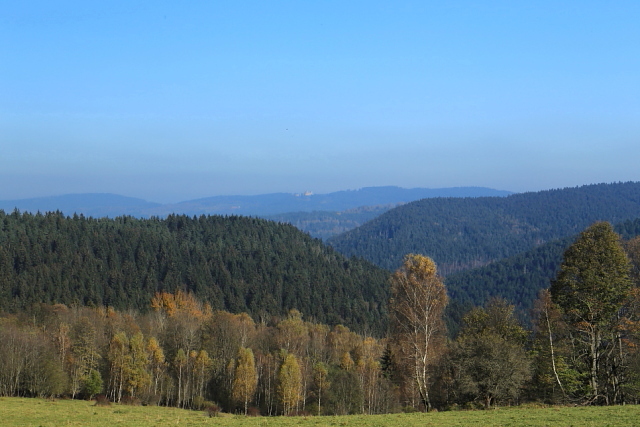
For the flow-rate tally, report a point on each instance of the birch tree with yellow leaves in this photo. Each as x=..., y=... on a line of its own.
x=418, y=300
x=246, y=378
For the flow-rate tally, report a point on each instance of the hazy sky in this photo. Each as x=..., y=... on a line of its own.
x=171, y=101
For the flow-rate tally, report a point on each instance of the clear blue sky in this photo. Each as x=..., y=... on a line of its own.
x=170, y=101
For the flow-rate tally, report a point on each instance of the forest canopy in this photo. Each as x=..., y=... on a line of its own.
x=239, y=264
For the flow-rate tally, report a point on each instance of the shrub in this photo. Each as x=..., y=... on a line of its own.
x=102, y=400
x=213, y=410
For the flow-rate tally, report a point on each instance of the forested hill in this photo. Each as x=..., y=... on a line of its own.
x=470, y=232
x=519, y=278
x=234, y=263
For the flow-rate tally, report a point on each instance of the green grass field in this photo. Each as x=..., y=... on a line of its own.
x=38, y=412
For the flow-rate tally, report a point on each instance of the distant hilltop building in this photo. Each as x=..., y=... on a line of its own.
x=306, y=193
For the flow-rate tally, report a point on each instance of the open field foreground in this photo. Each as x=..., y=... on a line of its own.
x=38, y=412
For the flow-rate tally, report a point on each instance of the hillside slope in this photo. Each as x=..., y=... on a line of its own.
x=234, y=263
x=519, y=278
x=465, y=233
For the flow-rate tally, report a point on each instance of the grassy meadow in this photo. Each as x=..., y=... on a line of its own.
x=39, y=412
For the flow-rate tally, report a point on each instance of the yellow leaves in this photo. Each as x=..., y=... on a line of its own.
x=290, y=383
x=416, y=268
x=245, y=380
x=164, y=301
x=180, y=302
x=418, y=299
x=293, y=334
x=156, y=354
x=346, y=362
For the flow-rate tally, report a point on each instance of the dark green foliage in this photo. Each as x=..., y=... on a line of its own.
x=345, y=396
x=591, y=289
x=520, y=278
x=234, y=263
x=489, y=355
x=93, y=384
x=464, y=233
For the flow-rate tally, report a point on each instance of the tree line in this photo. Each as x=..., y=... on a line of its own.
x=184, y=354
x=583, y=348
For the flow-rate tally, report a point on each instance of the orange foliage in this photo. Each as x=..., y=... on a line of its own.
x=180, y=302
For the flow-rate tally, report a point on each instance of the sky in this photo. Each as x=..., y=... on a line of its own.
x=171, y=101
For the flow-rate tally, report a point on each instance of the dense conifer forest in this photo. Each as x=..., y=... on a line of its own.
x=463, y=233
x=238, y=264
x=519, y=278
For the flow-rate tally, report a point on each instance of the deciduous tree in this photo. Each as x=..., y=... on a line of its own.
x=290, y=384
x=591, y=287
x=491, y=360
x=418, y=300
x=246, y=378
x=321, y=382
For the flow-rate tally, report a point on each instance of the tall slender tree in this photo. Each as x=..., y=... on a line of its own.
x=290, y=383
x=418, y=300
x=246, y=378
x=321, y=381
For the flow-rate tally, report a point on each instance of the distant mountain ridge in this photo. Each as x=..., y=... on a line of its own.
x=460, y=234
x=112, y=205
x=88, y=204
